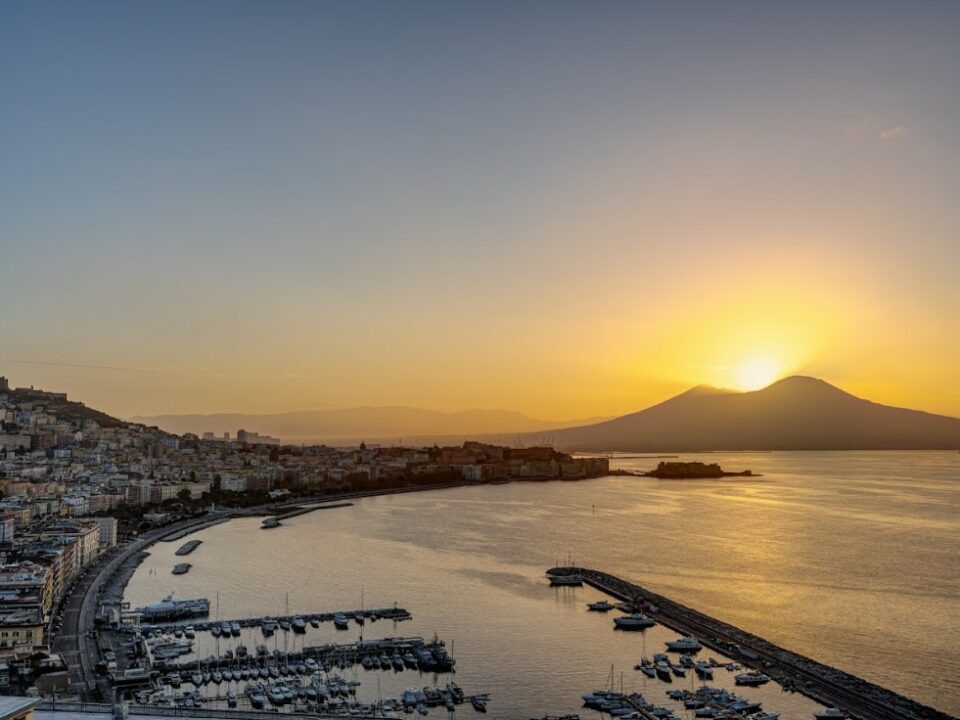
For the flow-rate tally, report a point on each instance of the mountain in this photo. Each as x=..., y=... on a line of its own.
x=797, y=413
x=364, y=423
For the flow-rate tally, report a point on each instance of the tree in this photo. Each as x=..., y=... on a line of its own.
x=184, y=496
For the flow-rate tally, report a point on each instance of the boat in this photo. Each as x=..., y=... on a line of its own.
x=766, y=716
x=235, y=628
x=268, y=523
x=172, y=609
x=663, y=671
x=703, y=669
x=635, y=621
x=678, y=670
x=340, y=621
x=268, y=625
x=830, y=713
x=231, y=699
x=358, y=618
x=687, y=643
x=751, y=679
x=646, y=667
x=479, y=704
x=565, y=580
x=600, y=606
x=299, y=625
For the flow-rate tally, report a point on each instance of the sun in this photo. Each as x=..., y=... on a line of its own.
x=757, y=372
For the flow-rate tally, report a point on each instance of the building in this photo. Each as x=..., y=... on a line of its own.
x=4, y=384
x=16, y=708
x=21, y=629
x=7, y=524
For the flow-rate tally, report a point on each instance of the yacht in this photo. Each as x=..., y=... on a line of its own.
x=636, y=621
x=752, y=679
x=703, y=669
x=688, y=643
x=600, y=606
x=830, y=714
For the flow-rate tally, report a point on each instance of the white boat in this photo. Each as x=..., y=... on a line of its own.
x=687, y=643
x=635, y=621
x=830, y=714
x=600, y=606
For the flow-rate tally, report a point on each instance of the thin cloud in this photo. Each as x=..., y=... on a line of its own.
x=194, y=372
x=892, y=133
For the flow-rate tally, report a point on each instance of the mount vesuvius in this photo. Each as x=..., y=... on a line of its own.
x=797, y=413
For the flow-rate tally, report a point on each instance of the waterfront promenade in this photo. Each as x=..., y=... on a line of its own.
x=825, y=684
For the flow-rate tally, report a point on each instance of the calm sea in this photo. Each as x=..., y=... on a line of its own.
x=851, y=558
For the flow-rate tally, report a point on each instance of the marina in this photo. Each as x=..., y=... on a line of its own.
x=827, y=685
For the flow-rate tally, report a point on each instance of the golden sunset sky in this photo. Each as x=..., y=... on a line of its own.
x=565, y=209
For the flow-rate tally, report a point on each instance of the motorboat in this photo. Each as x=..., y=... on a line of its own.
x=299, y=625
x=687, y=643
x=634, y=621
x=663, y=671
x=340, y=621
x=565, y=580
x=600, y=606
x=646, y=667
x=752, y=679
x=831, y=713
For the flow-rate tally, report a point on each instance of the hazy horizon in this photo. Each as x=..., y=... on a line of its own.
x=559, y=209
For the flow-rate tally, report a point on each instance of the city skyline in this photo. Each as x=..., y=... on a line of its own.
x=263, y=208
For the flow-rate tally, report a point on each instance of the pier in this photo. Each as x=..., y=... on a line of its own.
x=397, y=614
x=825, y=684
x=331, y=655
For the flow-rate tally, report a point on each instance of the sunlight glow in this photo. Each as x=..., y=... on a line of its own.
x=757, y=372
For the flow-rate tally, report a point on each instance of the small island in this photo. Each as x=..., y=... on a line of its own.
x=693, y=471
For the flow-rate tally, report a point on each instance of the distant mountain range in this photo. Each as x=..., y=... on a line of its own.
x=797, y=413
x=379, y=424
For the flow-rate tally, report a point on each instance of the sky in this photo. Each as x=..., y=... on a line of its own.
x=566, y=209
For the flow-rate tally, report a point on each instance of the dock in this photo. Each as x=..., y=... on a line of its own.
x=825, y=684
x=332, y=655
x=397, y=614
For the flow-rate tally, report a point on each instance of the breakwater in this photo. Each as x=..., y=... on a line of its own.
x=823, y=683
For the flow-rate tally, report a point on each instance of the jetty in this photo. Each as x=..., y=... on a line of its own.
x=397, y=614
x=825, y=684
x=188, y=548
x=421, y=654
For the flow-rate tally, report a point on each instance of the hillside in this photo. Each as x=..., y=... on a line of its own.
x=355, y=424
x=797, y=413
